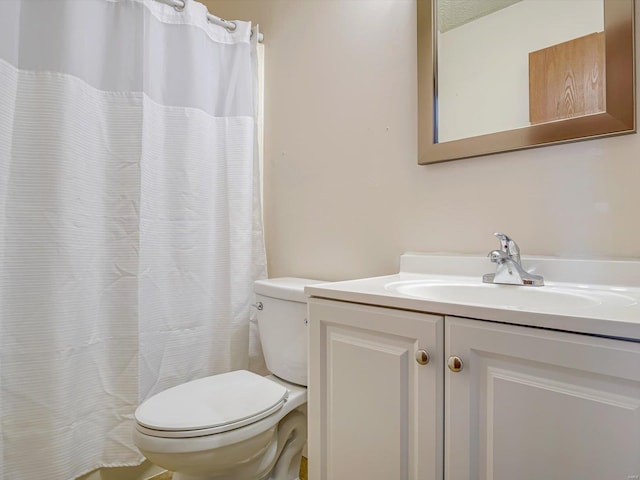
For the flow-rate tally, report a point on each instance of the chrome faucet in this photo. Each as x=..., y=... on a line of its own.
x=509, y=267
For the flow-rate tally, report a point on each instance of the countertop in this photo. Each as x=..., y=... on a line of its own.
x=598, y=318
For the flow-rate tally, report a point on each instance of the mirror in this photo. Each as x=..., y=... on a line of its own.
x=568, y=81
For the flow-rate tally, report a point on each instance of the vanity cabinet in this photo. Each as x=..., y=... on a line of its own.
x=494, y=401
x=537, y=404
x=375, y=393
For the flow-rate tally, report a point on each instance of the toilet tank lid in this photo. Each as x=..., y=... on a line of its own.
x=284, y=288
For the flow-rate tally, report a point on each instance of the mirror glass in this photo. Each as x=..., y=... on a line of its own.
x=498, y=75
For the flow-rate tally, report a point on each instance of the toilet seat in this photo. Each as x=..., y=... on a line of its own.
x=210, y=405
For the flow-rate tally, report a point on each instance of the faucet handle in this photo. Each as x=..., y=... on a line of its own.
x=504, y=241
x=509, y=246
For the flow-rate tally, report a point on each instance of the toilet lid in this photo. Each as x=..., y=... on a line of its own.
x=210, y=405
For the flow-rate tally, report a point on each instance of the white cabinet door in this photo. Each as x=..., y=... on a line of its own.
x=533, y=404
x=375, y=413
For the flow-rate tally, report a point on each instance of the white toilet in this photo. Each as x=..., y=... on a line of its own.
x=239, y=425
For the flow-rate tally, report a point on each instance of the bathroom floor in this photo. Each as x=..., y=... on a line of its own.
x=163, y=476
x=303, y=472
x=303, y=469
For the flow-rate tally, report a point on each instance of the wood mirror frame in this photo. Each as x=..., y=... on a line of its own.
x=618, y=118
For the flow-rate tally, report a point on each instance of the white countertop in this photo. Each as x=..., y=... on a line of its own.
x=611, y=319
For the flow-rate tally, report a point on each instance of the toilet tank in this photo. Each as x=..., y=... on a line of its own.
x=282, y=320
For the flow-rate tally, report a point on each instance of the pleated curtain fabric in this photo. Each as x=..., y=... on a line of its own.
x=130, y=228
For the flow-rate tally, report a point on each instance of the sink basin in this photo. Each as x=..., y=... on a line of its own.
x=546, y=298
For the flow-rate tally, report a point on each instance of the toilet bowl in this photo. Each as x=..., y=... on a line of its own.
x=239, y=425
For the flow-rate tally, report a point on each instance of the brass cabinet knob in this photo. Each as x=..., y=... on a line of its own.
x=422, y=357
x=454, y=364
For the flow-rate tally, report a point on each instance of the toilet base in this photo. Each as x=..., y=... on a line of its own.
x=275, y=459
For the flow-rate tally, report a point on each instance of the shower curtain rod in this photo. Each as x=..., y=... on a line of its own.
x=230, y=26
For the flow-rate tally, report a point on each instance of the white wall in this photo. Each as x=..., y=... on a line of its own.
x=344, y=194
x=483, y=66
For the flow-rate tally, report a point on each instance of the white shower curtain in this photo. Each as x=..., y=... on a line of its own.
x=130, y=230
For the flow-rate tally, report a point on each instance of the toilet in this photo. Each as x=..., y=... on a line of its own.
x=239, y=425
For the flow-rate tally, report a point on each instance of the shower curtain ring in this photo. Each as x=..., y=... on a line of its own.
x=177, y=6
x=230, y=28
